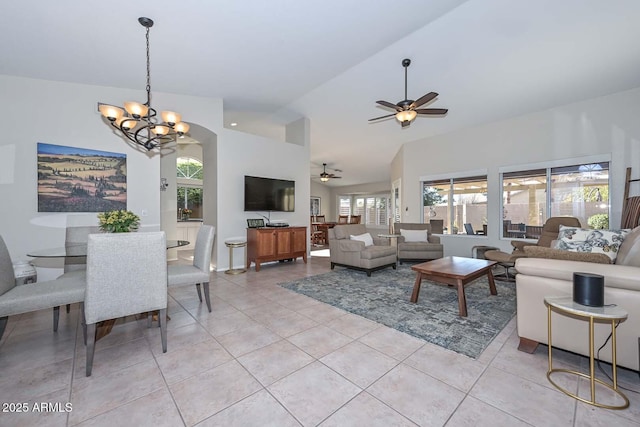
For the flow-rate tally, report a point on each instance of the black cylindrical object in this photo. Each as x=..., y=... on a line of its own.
x=588, y=289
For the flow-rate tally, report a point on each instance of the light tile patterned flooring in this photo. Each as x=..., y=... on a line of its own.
x=266, y=356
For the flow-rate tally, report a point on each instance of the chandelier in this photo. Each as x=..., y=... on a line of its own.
x=138, y=122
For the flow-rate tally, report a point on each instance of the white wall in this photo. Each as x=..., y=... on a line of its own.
x=61, y=114
x=606, y=126
x=66, y=114
x=241, y=154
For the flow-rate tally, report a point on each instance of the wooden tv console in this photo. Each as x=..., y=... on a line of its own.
x=275, y=244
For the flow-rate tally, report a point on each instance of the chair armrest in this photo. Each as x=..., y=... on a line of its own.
x=549, y=253
x=615, y=276
x=434, y=239
x=400, y=239
x=519, y=245
x=381, y=241
x=347, y=245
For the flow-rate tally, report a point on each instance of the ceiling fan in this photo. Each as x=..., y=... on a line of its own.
x=407, y=109
x=324, y=176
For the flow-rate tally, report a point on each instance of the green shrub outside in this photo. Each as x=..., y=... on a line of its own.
x=599, y=221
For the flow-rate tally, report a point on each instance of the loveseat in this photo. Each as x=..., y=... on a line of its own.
x=540, y=277
x=366, y=255
x=414, y=246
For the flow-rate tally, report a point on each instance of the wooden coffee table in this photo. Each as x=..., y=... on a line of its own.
x=454, y=271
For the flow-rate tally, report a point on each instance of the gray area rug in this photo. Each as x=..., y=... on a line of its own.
x=384, y=298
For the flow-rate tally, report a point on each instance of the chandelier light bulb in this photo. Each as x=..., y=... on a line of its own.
x=170, y=117
x=160, y=129
x=181, y=128
x=126, y=123
x=135, y=109
x=111, y=112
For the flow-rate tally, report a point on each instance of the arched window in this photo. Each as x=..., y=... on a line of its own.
x=189, y=186
x=189, y=168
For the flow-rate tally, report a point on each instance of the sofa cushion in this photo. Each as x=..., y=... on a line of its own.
x=629, y=252
x=594, y=241
x=550, y=253
x=374, y=252
x=414, y=235
x=365, y=238
x=420, y=246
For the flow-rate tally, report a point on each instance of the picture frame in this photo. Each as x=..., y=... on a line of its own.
x=315, y=206
x=74, y=179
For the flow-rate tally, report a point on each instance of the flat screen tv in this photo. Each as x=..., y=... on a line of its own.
x=268, y=194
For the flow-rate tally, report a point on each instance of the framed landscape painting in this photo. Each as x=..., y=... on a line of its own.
x=72, y=179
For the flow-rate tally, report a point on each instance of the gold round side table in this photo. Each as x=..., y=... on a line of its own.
x=232, y=243
x=567, y=307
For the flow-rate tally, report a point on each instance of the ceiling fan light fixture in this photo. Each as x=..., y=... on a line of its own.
x=324, y=176
x=406, y=115
x=407, y=109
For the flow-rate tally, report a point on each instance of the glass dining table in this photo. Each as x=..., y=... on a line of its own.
x=75, y=250
x=72, y=250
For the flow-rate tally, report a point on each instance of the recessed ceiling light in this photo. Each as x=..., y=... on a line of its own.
x=233, y=124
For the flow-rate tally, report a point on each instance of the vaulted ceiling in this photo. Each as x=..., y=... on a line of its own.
x=275, y=61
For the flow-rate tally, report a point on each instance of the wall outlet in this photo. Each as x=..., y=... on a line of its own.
x=144, y=212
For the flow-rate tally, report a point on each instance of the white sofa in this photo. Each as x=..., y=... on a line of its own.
x=539, y=278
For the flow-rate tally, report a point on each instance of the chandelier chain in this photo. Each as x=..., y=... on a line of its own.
x=148, y=72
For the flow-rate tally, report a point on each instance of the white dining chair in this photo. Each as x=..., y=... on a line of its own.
x=200, y=271
x=76, y=265
x=18, y=299
x=126, y=275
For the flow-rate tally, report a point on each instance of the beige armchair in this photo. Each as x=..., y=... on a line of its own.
x=423, y=250
x=521, y=248
x=549, y=232
x=357, y=254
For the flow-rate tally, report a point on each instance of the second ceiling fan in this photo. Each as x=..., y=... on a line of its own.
x=324, y=176
x=407, y=109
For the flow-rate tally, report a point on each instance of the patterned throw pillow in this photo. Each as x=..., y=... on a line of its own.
x=594, y=241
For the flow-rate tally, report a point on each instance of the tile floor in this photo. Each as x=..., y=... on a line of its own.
x=268, y=357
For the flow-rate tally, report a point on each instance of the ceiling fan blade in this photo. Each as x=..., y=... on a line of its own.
x=423, y=100
x=406, y=123
x=382, y=117
x=432, y=111
x=389, y=105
